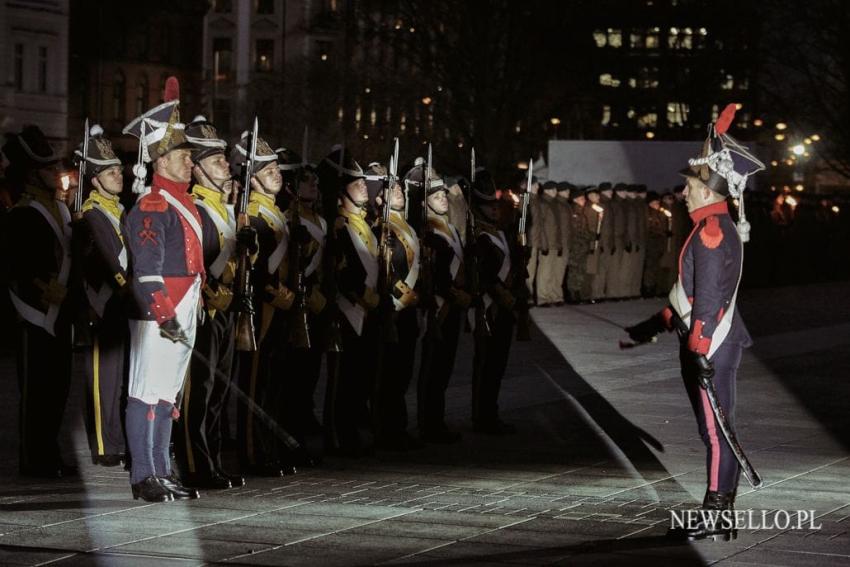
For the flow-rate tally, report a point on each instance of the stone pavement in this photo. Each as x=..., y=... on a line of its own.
x=607, y=446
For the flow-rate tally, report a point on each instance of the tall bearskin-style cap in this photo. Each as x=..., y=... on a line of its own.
x=203, y=136
x=29, y=149
x=724, y=165
x=265, y=154
x=100, y=156
x=484, y=187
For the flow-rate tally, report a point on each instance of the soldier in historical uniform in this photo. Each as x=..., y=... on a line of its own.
x=355, y=262
x=496, y=276
x=307, y=241
x=548, y=222
x=656, y=245
x=444, y=245
x=405, y=268
x=607, y=248
x=38, y=274
x=594, y=282
x=615, y=285
x=667, y=273
x=106, y=287
x=536, y=236
x=458, y=207
x=703, y=301
x=262, y=451
x=198, y=437
x=564, y=210
x=582, y=237
x=165, y=240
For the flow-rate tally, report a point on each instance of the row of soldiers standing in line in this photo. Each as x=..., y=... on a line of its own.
x=160, y=283
x=603, y=242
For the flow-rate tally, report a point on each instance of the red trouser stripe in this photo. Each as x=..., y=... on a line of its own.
x=714, y=471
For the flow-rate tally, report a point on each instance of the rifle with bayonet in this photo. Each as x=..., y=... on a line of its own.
x=81, y=240
x=246, y=338
x=385, y=254
x=470, y=261
x=427, y=268
x=333, y=338
x=299, y=328
x=521, y=261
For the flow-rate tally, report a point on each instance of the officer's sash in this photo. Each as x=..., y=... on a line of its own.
x=354, y=312
x=98, y=297
x=47, y=319
x=227, y=231
x=679, y=301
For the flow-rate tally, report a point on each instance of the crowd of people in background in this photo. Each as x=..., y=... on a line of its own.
x=618, y=241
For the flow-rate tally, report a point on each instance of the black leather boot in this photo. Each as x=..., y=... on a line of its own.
x=716, y=503
x=151, y=490
x=177, y=490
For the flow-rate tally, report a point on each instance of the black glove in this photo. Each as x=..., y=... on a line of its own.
x=544, y=252
x=246, y=239
x=172, y=331
x=706, y=370
x=645, y=331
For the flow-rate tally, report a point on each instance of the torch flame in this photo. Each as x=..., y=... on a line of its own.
x=66, y=182
x=667, y=213
x=835, y=209
x=791, y=201
x=597, y=208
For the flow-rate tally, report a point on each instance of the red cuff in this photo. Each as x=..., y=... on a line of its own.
x=696, y=342
x=162, y=307
x=667, y=316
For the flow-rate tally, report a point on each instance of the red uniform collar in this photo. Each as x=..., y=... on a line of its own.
x=701, y=213
x=176, y=188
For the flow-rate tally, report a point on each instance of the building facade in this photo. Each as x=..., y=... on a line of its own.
x=34, y=67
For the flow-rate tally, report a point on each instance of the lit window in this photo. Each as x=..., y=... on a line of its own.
x=607, y=80
x=727, y=83
x=264, y=55
x=606, y=115
x=648, y=120
x=357, y=115
x=340, y=114
x=615, y=38
x=677, y=113
x=633, y=82
x=636, y=39
x=601, y=38
x=744, y=83
x=631, y=113
x=652, y=38
x=373, y=118
x=222, y=58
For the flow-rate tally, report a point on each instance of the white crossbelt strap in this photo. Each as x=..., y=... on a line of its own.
x=184, y=212
x=317, y=232
x=354, y=312
x=227, y=231
x=46, y=320
x=278, y=223
x=679, y=301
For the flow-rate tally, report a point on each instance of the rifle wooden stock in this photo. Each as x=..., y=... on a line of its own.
x=246, y=337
